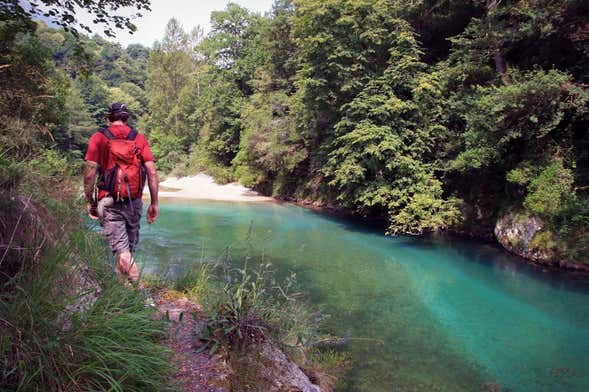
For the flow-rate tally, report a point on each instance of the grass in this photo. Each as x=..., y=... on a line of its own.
x=57, y=334
x=247, y=306
x=66, y=324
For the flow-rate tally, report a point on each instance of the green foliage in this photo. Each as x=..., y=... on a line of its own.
x=11, y=174
x=51, y=163
x=196, y=282
x=27, y=107
x=63, y=13
x=391, y=108
x=280, y=47
x=550, y=192
x=387, y=108
x=535, y=34
x=250, y=306
x=231, y=53
x=172, y=87
x=270, y=147
x=382, y=157
x=508, y=123
x=110, y=345
x=234, y=43
x=218, y=110
x=95, y=94
x=245, y=307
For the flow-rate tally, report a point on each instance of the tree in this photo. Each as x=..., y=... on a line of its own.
x=232, y=52
x=383, y=157
x=74, y=132
x=270, y=148
x=63, y=13
x=31, y=102
x=95, y=94
x=136, y=67
x=281, y=48
x=171, y=87
x=235, y=44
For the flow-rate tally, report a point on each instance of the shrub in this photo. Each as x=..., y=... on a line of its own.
x=550, y=192
x=249, y=307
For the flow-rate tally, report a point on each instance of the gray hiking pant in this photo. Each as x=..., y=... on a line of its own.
x=120, y=222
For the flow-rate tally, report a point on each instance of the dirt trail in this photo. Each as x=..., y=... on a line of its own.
x=197, y=372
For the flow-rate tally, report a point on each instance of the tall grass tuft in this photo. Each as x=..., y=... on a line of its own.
x=66, y=324
x=248, y=307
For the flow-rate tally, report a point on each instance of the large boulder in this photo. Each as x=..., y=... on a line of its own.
x=525, y=235
x=282, y=374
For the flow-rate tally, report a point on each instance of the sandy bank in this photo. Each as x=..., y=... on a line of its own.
x=204, y=187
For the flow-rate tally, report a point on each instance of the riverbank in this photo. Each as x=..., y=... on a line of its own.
x=204, y=187
x=404, y=310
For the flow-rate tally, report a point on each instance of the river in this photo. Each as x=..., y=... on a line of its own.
x=423, y=314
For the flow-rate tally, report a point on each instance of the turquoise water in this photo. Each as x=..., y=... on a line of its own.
x=424, y=314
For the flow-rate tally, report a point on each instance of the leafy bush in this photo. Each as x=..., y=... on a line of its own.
x=248, y=307
x=52, y=163
x=551, y=191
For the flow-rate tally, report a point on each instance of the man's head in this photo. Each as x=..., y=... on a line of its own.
x=118, y=112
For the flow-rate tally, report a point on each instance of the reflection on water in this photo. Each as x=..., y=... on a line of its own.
x=453, y=315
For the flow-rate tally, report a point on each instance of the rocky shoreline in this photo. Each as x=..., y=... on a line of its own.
x=514, y=235
x=520, y=234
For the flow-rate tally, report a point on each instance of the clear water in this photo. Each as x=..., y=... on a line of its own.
x=424, y=314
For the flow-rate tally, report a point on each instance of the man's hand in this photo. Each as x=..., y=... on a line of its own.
x=152, y=212
x=91, y=211
x=152, y=182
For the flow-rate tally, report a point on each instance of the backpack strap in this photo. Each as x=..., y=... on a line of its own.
x=132, y=134
x=106, y=133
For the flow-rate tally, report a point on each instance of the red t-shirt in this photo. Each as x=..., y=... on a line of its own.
x=98, y=147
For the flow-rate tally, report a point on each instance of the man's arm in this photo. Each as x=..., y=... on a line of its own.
x=152, y=183
x=89, y=178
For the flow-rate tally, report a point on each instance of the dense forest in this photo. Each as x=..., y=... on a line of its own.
x=463, y=116
x=432, y=114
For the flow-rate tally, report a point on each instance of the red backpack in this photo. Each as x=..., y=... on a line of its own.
x=124, y=174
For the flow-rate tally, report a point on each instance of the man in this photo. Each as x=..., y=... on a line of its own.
x=120, y=185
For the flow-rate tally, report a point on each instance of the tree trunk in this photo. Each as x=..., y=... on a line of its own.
x=500, y=63
x=501, y=66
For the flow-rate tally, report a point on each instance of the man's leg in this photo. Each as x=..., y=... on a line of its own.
x=133, y=221
x=126, y=265
x=115, y=228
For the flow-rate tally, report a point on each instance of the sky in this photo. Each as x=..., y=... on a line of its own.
x=190, y=13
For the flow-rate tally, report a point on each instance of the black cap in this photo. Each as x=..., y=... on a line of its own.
x=118, y=107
